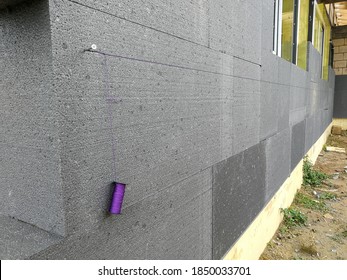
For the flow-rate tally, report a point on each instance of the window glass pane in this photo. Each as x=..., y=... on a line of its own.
x=287, y=29
x=303, y=33
x=320, y=38
x=326, y=41
x=322, y=35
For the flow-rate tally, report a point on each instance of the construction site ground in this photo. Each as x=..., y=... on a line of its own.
x=319, y=231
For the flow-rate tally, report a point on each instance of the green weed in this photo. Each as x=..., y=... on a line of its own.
x=307, y=202
x=283, y=229
x=312, y=177
x=293, y=217
x=327, y=196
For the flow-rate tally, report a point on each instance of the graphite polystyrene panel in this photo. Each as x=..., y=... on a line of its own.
x=245, y=106
x=174, y=223
x=297, y=143
x=173, y=120
x=283, y=92
x=181, y=19
x=268, y=109
x=278, y=153
x=269, y=66
x=284, y=72
x=309, y=133
x=238, y=196
x=31, y=187
x=20, y=240
x=314, y=65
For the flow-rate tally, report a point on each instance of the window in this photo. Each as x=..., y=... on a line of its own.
x=296, y=22
x=303, y=26
x=286, y=30
x=321, y=37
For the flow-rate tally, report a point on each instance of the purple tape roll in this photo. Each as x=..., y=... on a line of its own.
x=117, y=198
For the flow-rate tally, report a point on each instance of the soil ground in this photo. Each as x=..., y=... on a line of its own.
x=324, y=234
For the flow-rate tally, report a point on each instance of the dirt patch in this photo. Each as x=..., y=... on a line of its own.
x=321, y=232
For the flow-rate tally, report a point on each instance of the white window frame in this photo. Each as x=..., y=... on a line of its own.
x=277, y=44
x=297, y=26
x=314, y=21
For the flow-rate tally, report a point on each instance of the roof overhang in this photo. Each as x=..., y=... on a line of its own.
x=336, y=10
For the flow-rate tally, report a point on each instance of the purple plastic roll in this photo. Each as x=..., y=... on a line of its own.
x=117, y=198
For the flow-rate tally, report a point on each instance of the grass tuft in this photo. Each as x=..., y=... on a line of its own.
x=327, y=196
x=293, y=217
x=312, y=177
x=307, y=202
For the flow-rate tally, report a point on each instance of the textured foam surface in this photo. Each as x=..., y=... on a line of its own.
x=30, y=180
x=174, y=223
x=183, y=102
x=297, y=143
x=20, y=240
x=238, y=195
x=278, y=155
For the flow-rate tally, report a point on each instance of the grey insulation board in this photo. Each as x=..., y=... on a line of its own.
x=269, y=105
x=245, y=106
x=284, y=72
x=221, y=23
x=238, y=196
x=269, y=66
x=168, y=125
x=278, y=154
x=172, y=89
x=332, y=77
x=247, y=39
x=297, y=143
x=314, y=63
x=283, y=92
x=298, y=90
x=174, y=223
x=181, y=19
x=311, y=100
x=243, y=36
x=31, y=186
x=157, y=140
x=309, y=134
x=21, y=240
x=340, y=100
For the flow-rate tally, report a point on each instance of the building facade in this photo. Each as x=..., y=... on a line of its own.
x=204, y=109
